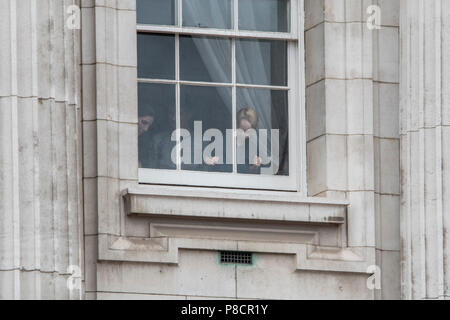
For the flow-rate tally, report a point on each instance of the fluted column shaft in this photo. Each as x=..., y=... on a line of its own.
x=40, y=144
x=425, y=148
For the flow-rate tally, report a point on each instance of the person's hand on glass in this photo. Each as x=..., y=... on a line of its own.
x=257, y=161
x=212, y=161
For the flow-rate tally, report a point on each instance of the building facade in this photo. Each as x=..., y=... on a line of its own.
x=356, y=207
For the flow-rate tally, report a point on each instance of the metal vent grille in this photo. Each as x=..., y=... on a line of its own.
x=236, y=257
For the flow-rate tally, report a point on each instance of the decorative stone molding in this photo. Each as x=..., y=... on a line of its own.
x=188, y=218
x=229, y=204
x=165, y=250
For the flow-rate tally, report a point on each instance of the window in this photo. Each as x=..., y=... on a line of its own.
x=218, y=93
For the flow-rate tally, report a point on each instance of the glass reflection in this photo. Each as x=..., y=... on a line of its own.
x=205, y=118
x=208, y=13
x=261, y=62
x=162, y=12
x=205, y=59
x=156, y=56
x=264, y=15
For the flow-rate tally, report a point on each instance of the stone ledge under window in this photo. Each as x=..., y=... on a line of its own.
x=208, y=203
x=312, y=230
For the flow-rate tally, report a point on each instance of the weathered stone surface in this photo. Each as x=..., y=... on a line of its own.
x=68, y=144
x=352, y=117
x=425, y=143
x=40, y=160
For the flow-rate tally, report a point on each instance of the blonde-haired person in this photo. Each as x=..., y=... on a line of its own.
x=247, y=120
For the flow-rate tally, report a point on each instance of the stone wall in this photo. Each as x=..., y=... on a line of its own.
x=109, y=121
x=352, y=120
x=68, y=164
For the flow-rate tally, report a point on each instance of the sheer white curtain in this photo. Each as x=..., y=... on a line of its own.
x=210, y=53
x=259, y=102
x=213, y=53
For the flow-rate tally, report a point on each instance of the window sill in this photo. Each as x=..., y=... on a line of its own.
x=208, y=203
x=313, y=230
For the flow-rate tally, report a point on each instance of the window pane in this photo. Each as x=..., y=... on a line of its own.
x=205, y=59
x=208, y=13
x=156, y=12
x=156, y=56
x=265, y=111
x=262, y=62
x=206, y=113
x=264, y=15
x=157, y=121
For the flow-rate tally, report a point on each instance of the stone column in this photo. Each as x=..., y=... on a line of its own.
x=425, y=148
x=352, y=123
x=40, y=148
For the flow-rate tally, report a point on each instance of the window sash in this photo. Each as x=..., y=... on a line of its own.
x=233, y=33
x=217, y=32
x=234, y=179
x=218, y=179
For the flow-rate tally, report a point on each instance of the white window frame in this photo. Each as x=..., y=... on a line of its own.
x=296, y=181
